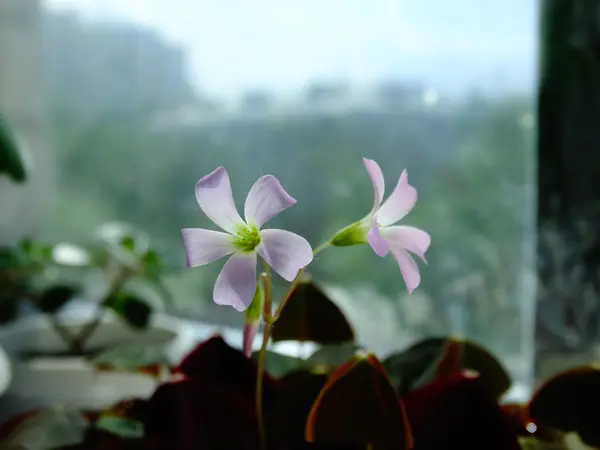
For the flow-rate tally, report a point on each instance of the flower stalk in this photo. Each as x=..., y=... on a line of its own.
x=288, y=254
x=270, y=320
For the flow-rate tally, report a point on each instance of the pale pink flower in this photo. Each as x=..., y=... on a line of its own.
x=384, y=236
x=284, y=251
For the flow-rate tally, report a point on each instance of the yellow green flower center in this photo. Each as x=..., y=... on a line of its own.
x=247, y=238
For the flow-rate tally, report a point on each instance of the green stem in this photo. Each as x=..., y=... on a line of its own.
x=55, y=323
x=267, y=289
x=262, y=355
x=262, y=435
x=259, y=386
x=78, y=343
x=61, y=330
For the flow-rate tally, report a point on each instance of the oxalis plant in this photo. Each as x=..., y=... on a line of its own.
x=48, y=277
x=441, y=393
x=287, y=253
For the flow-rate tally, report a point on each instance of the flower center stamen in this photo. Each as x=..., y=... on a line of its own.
x=247, y=238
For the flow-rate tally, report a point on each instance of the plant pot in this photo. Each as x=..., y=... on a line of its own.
x=71, y=380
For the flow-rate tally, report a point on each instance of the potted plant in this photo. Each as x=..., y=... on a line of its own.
x=15, y=164
x=51, y=357
x=56, y=352
x=443, y=393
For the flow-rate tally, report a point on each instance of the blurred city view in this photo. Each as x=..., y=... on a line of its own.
x=131, y=129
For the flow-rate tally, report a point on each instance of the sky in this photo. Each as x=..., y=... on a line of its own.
x=236, y=45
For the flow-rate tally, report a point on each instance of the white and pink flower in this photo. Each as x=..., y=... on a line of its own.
x=284, y=251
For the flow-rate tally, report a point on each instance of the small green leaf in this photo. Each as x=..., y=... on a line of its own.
x=53, y=299
x=128, y=243
x=134, y=311
x=532, y=443
x=26, y=245
x=36, y=252
x=120, y=426
x=152, y=264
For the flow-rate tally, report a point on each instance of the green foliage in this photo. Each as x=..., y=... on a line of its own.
x=134, y=311
x=119, y=252
x=120, y=426
x=449, y=399
x=51, y=300
x=50, y=428
x=131, y=357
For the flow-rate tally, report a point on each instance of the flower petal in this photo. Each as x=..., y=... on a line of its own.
x=285, y=252
x=412, y=239
x=213, y=193
x=236, y=284
x=377, y=243
x=399, y=203
x=266, y=199
x=205, y=246
x=408, y=269
x=378, y=182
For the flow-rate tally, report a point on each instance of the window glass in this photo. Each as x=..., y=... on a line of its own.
x=145, y=97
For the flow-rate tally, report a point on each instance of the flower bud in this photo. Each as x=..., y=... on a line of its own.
x=252, y=319
x=355, y=234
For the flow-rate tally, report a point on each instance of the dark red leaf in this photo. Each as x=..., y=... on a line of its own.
x=214, y=360
x=423, y=362
x=524, y=426
x=311, y=316
x=296, y=394
x=451, y=358
x=568, y=402
x=196, y=413
x=458, y=412
x=358, y=404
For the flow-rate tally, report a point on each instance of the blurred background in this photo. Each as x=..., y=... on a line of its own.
x=124, y=105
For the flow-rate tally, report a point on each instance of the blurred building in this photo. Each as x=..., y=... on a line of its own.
x=93, y=66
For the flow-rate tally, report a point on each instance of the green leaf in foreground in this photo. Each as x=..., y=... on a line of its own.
x=120, y=426
x=131, y=357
